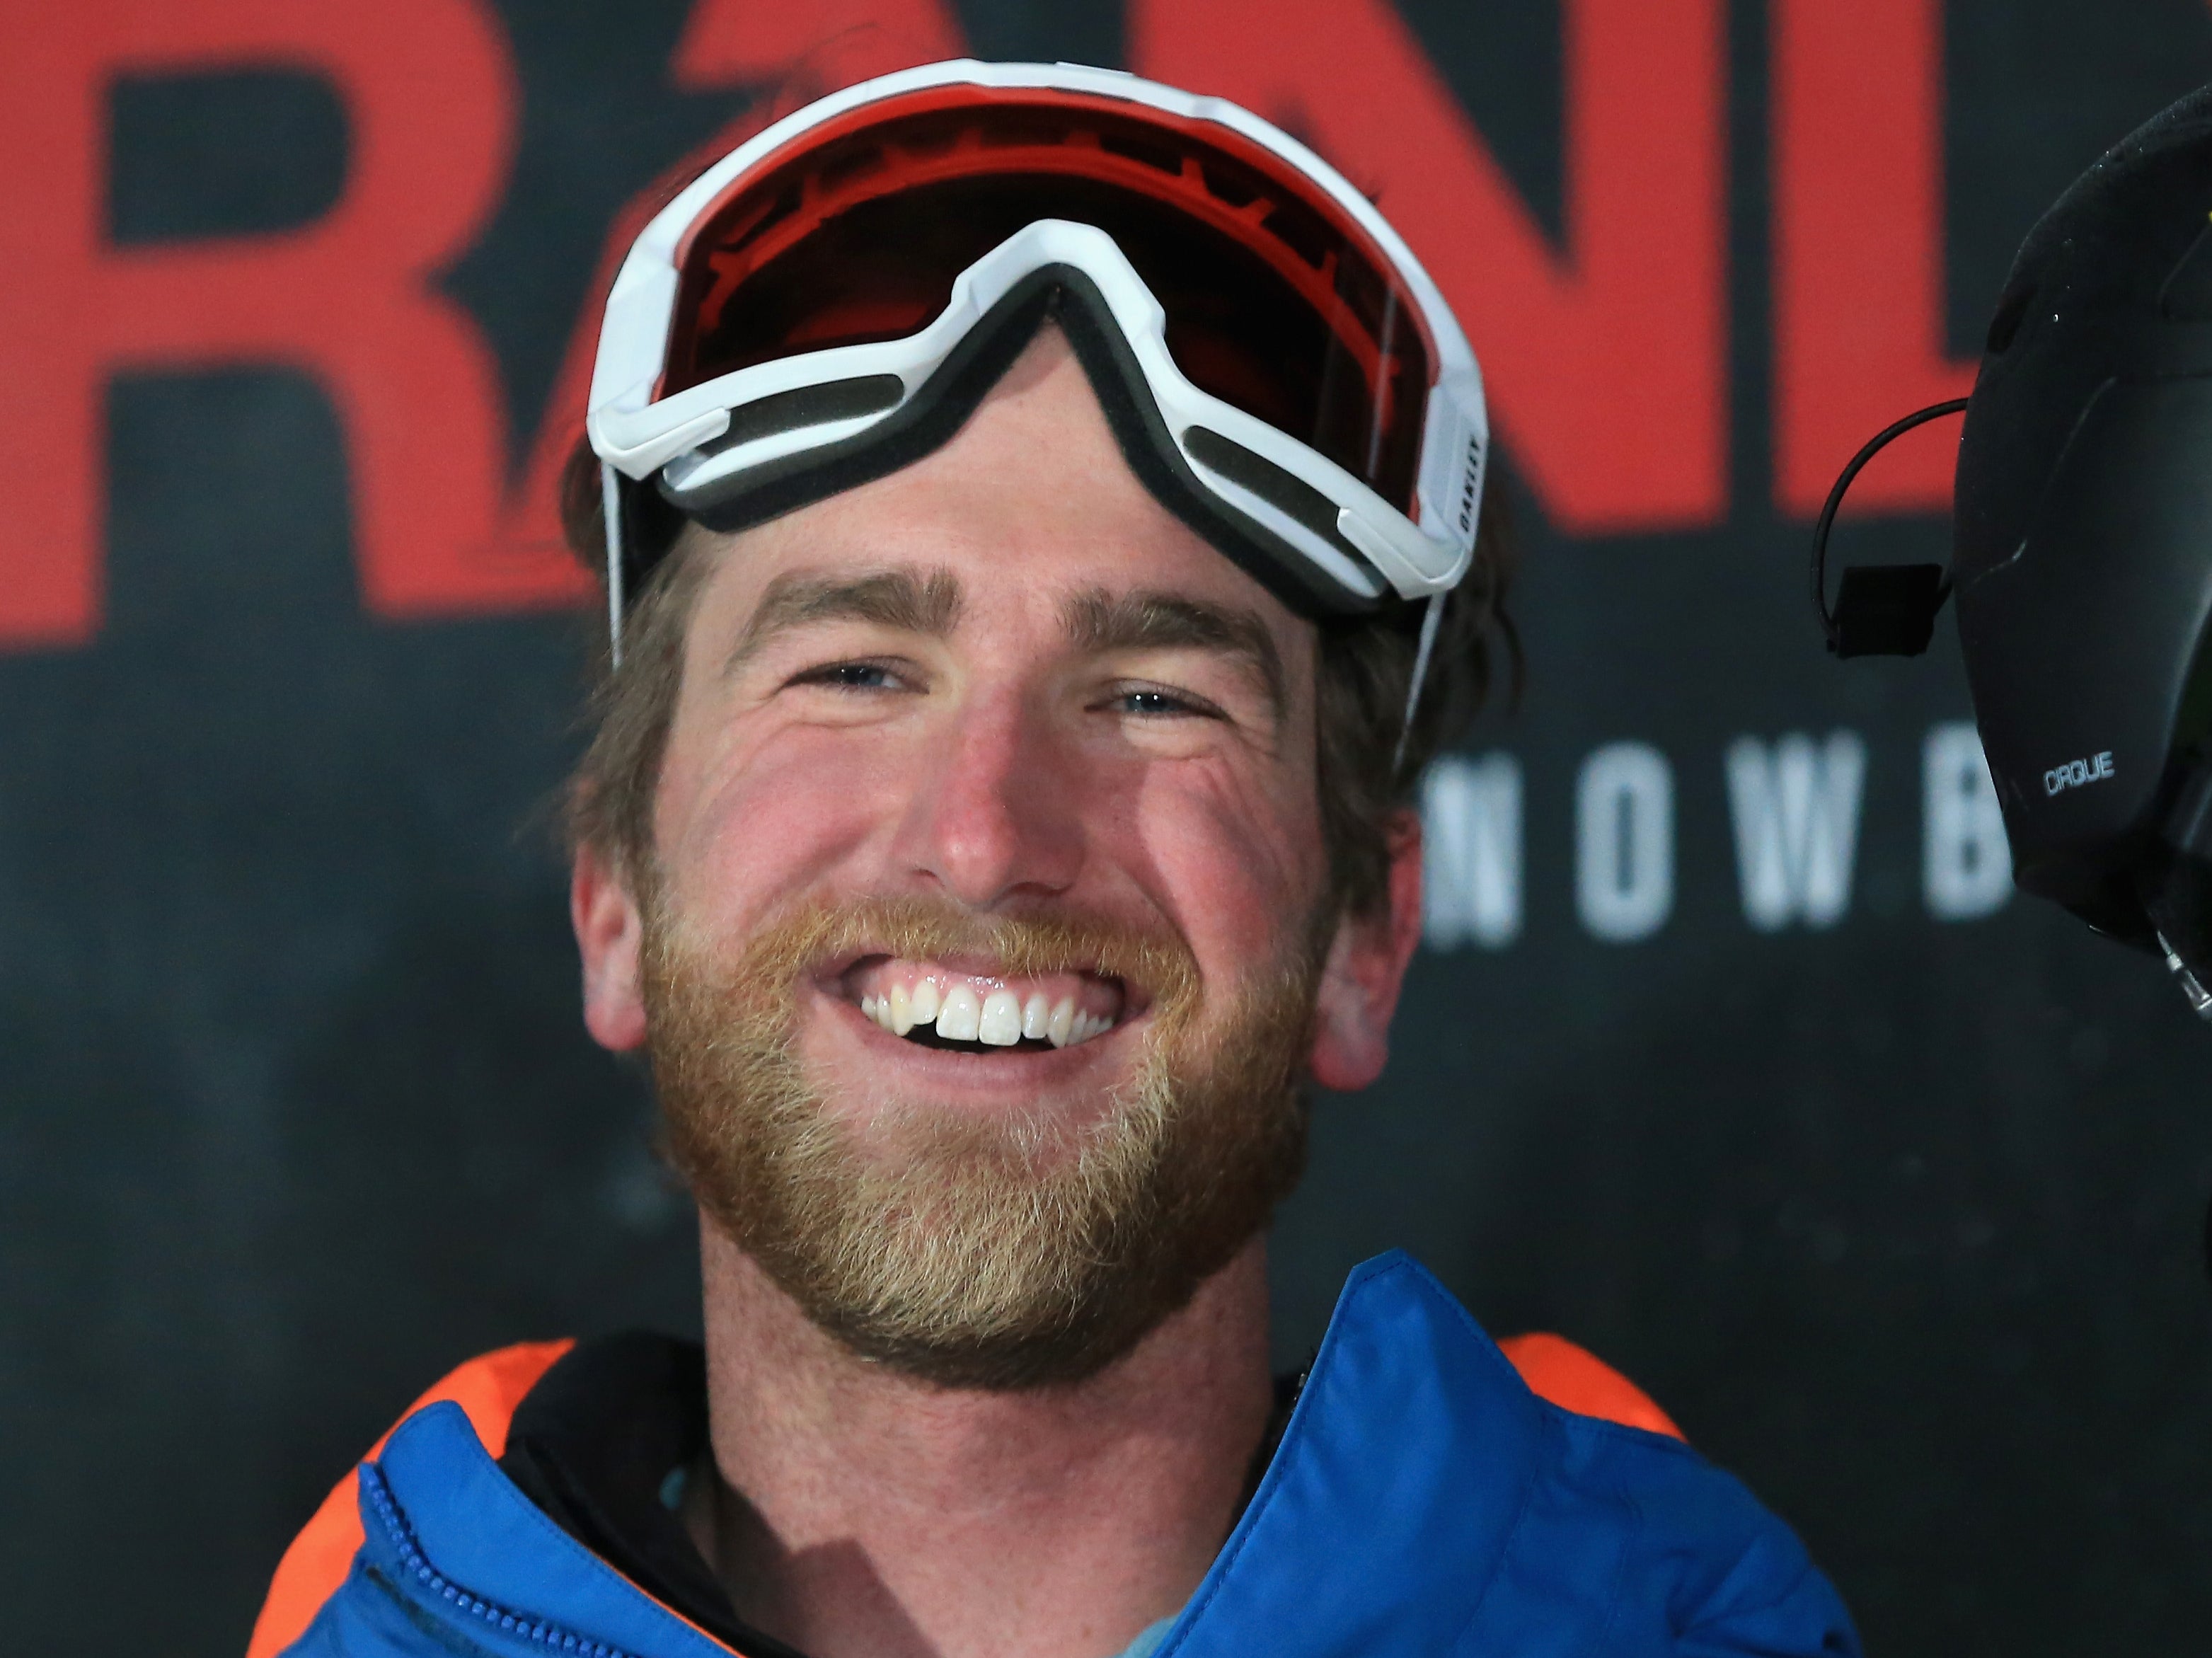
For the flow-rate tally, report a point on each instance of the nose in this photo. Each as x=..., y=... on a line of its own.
x=997, y=817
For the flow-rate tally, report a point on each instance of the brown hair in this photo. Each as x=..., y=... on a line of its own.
x=1364, y=667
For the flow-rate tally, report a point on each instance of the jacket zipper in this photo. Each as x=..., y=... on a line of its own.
x=412, y=1560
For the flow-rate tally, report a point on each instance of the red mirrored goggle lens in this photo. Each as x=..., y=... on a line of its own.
x=1276, y=302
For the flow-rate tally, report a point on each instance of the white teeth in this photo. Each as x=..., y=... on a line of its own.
x=960, y=1016
x=1000, y=1024
x=999, y=1020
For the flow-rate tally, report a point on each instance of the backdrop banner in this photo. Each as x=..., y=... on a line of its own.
x=1731, y=1055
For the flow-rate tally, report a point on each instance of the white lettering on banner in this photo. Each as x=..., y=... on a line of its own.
x=1795, y=803
x=1796, y=811
x=1471, y=852
x=1966, y=864
x=1625, y=842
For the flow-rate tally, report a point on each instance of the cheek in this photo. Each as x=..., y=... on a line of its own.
x=744, y=830
x=1238, y=864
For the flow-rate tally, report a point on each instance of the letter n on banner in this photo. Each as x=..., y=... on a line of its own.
x=1471, y=847
x=1858, y=251
x=1605, y=361
x=430, y=102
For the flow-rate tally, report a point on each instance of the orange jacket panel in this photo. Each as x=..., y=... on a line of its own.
x=488, y=1388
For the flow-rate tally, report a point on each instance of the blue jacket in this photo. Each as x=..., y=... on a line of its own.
x=1423, y=1500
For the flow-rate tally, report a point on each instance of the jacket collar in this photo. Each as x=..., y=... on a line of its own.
x=1399, y=1482
x=1385, y=1514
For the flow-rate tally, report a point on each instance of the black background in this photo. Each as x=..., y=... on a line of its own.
x=1898, y=1219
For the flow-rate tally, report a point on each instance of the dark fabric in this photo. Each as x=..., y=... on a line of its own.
x=1288, y=1387
x=593, y=1445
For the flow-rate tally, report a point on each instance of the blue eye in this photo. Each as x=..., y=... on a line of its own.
x=1146, y=704
x=851, y=676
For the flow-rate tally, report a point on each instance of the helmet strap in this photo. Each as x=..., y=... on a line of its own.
x=1431, y=619
x=611, y=507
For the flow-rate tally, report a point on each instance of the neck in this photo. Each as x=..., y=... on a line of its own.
x=863, y=1512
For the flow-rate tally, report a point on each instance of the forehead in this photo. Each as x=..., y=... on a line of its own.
x=1030, y=502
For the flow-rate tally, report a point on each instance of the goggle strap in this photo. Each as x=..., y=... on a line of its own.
x=610, y=508
x=1431, y=619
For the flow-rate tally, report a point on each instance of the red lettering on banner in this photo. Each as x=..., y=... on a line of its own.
x=828, y=44
x=1858, y=251
x=430, y=98
x=792, y=54
x=1607, y=363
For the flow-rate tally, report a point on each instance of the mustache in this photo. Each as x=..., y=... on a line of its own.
x=819, y=933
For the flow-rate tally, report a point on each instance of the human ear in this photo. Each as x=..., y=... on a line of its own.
x=609, y=932
x=1365, y=969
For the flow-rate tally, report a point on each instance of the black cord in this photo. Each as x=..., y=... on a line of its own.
x=1873, y=447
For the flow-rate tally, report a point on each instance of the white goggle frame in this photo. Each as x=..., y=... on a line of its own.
x=635, y=434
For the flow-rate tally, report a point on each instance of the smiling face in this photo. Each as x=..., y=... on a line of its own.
x=988, y=932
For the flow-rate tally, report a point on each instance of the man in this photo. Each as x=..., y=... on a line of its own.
x=1029, y=500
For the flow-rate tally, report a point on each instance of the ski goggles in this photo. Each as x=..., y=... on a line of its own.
x=829, y=303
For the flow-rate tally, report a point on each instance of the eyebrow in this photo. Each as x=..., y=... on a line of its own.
x=900, y=599
x=1097, y=621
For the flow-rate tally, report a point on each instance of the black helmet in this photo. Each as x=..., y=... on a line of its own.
x=2082, y=548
